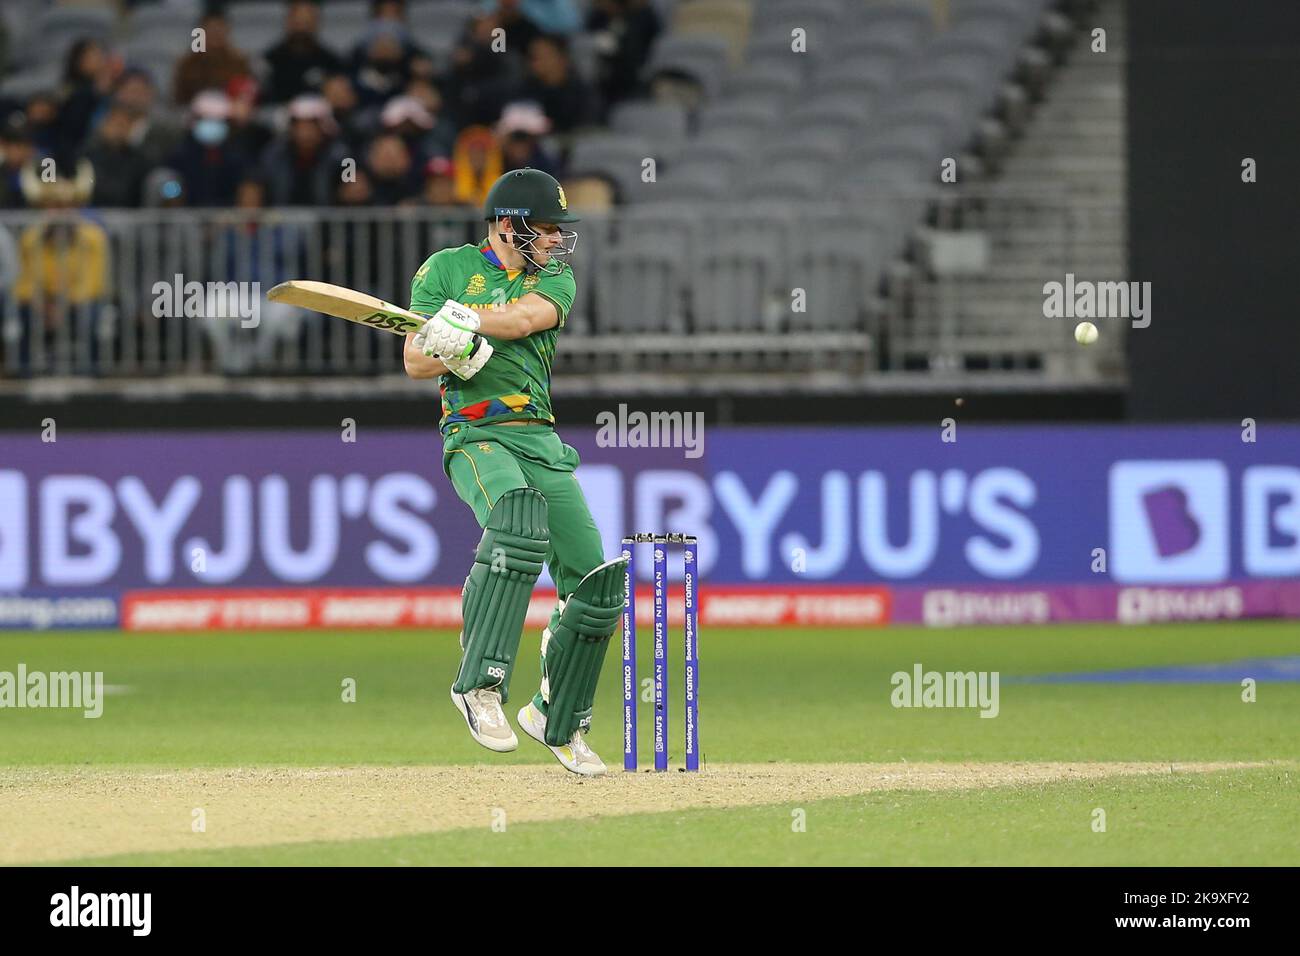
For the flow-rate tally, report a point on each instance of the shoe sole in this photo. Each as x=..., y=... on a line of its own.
x=527, y=728
x=500, y=747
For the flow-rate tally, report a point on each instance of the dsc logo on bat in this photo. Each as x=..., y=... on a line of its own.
x=381, y=320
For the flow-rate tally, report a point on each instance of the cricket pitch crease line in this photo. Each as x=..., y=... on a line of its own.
x=49, y=814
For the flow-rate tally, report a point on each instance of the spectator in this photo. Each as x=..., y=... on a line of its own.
x=303, y=168
x=119, y=166
x=439, y=140
x=480, y=77
x=355, y=191
x=248, y=134
x=393, y=11
x=382, y=65
x=250, y=194
x=255, y=249
x=212, y=67
x=553, y=16
x=154, y=135
x=553, y=84
x=62, y=286
x=440, y=183
x=407, y=117
x=520, y=133
x=208, y=163
x=392, y=173
x=519, y=29
x=16, y=151
x=43, y=125
x=355, y=125
x=9, y=268
x=88, y=77
x=624, y=32
x=299, y=63
x=477, y=158
x=164, y=189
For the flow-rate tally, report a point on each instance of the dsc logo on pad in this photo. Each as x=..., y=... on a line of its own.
x=1168, y=522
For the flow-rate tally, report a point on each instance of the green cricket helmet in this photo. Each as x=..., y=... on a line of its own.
x=524, y=194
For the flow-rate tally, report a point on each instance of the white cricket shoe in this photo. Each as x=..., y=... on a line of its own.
x=486, y=720
x=575, y=756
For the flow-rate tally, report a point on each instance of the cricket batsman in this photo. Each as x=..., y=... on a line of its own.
x=495, y=312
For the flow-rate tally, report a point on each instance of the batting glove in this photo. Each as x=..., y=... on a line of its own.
x=468, y=367
x=449, y=334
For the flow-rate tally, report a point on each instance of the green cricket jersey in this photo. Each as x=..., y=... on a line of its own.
x=516, y=381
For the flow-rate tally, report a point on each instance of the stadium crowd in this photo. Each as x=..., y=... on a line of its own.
x=234, y=129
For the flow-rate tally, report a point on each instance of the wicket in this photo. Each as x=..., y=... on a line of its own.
x=631, y=689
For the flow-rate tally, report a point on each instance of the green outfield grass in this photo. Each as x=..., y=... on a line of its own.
x=274, y=699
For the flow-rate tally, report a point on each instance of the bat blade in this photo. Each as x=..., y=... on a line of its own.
x=349, y=304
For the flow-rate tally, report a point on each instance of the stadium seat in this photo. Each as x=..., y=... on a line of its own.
x=702, y=59
x=825, y=144
x=848, y=112
x=617, y=157
x=818, y=24
x=584, y=54
x=838, y=272
x=690, y=181
x=255, y=27
x=661, y=123
x=944, y=108
x=446, y=17
x=585, y=198
x=819, y=9
x=903, y=23
x=766, y=79
x=775, y=53
x=729, y=19
x=640, y=282
x=806, y=171
x=57, y=28
x=172, y=17
x=589, y=193
x=755, y=110
x=721, y=153
x=738, y=276
x=1017, y=18
x=852, y=47
x=32, y=80
x=855, y=76
x=920, y=144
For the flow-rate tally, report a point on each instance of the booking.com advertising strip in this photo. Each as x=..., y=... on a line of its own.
x=834, y=527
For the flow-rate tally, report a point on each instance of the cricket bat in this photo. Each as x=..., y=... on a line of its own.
x=347, y=304
x=370, y=311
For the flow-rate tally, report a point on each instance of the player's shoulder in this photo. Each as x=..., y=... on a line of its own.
x=564, y=276
x=450, y=258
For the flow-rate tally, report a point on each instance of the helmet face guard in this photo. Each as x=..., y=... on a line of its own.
x=524, y=238
x=528, y=194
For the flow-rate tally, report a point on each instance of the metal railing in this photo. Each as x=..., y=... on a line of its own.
x=806, y=295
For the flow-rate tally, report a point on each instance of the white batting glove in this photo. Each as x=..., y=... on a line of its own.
x=468, y=367
x=449, y=334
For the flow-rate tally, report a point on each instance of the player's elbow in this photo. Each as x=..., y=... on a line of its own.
x=420, y=367
x=519, y=327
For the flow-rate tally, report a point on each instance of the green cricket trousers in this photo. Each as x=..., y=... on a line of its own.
x=485, y=461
